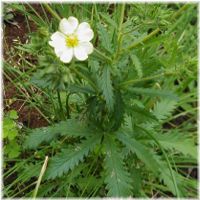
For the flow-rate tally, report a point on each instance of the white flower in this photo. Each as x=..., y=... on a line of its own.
x=72, y=39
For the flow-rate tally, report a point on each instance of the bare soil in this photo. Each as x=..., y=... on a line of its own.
x=28, y=116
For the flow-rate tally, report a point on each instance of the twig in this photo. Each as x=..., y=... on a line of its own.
x=40, y=177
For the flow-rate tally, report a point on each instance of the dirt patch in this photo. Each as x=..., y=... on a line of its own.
x=18, y=31
x=28, y=116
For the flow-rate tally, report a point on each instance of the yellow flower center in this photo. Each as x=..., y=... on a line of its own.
x=71, y=40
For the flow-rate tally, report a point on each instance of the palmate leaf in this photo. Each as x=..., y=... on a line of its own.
x=106, y=85
x=69, y=158
x=70, y=127
x=117, y=179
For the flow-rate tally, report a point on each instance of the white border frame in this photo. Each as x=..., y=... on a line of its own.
x=92, y=1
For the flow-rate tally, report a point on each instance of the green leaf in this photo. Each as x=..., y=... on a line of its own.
x=69, y=158
x=45, y=189
x=138, y=65
x=166, y=177
x=141, y=151
x=12, y=134
x=137, y=180
x=86, y=75
x=117, y=179
x=105, y=39
x=174, y=140
x=13, y=114
x=80, y=89
x=151, y=160
x=141, y=114
x=118, y=112
x=39, y=135
x=71, y=128
x=89, y=183
x=164, y=108
x=12, y=149
x=9, y=128
x=109, y=20
x=154, y=92
x=106, y=86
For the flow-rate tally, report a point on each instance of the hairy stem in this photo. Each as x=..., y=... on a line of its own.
x=121, y=20
x=142, y=40
x=119, y=38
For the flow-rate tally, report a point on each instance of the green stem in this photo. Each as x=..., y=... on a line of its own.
x=22, y=190
x=96, y=12
x=166, y=158
x=180, y=114
x=52, y=101
x=45, y=14
x=60, y=104
x=52, y=11
x=129, y=82
x=27, y=21
x=121, y=20
x=102, y=55
x=142, y=40
x=85, y=78
x=36, y=13
x=67, y=105
x=119, y=38
x=176, y=14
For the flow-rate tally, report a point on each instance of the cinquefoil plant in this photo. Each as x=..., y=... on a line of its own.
x=109, y=138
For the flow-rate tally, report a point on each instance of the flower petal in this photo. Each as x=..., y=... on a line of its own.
x=80, y=53
x=58, y=52
x=88, y=47
x=57, y=40
x=73, y=22
x=67, y=55
x=83, y=25
x=84, y=32
x=68, y=26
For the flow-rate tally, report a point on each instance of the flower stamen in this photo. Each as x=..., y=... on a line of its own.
x=72, y=40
